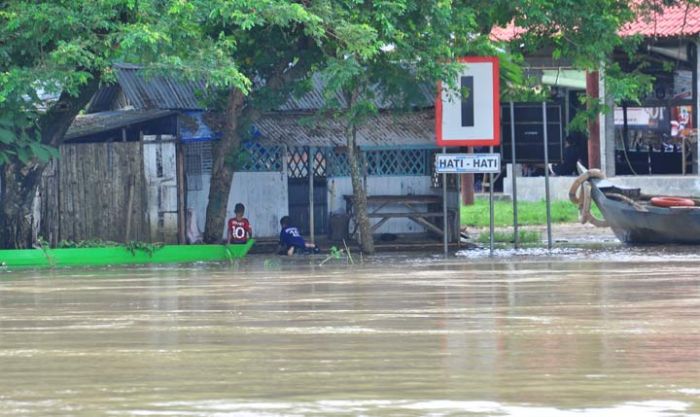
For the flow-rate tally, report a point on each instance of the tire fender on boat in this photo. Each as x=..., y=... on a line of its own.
x=672, y=202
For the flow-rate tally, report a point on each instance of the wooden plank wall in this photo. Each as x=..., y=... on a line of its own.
x=101, y=193
x=48, y=204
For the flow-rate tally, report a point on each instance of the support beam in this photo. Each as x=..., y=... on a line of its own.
x=608, y=136
x=311, y=156
x=696, y=101
x=467, y=181
x=467, y=189
x=592, y=91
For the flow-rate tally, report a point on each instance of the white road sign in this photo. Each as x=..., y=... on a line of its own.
x=472, y=119
x=467, y=163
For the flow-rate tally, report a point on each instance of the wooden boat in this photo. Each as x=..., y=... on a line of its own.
x=635, y=220
x=122, y=255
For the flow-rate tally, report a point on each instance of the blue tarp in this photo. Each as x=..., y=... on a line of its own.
x=193, y=128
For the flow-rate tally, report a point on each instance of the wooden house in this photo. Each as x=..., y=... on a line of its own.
x=293, y=159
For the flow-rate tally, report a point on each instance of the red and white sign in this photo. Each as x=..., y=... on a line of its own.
x=474, y=120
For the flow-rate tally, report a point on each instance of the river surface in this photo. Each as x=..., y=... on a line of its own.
x=610, y=332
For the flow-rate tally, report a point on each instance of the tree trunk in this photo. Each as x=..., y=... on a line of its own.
x=225, y=152
x=359, y=192
x=19, y=182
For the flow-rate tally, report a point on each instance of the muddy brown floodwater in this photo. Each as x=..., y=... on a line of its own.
x=608, y=332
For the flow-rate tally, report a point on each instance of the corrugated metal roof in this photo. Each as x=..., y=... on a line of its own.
x=90, y=124
x=167, y=92
x=103, y=99
x=158, y=91
x=415, y=129
x=667, y=21
x=314, y=98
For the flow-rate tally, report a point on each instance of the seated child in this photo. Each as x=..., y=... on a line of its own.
x=238, y=228
x=291, y=240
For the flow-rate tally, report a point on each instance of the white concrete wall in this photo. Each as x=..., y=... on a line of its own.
x=532, y=188
x=339, y=186
x=197, y=200
x=264, y=195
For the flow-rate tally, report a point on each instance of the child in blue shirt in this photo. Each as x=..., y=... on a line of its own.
x=291, y=241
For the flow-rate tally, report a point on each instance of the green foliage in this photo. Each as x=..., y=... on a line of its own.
x=131, y=246
x=529, y=213
x=335, y=253
x=89, y=243
x=149, y=248
x=20, y=139
x=50, y=48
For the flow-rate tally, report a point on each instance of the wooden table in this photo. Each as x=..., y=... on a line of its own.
x=375, y=204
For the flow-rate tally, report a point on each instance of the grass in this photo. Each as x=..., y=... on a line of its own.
x=529, y=213
x=526, y=236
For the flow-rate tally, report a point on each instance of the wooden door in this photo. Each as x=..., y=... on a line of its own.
x=160, y=168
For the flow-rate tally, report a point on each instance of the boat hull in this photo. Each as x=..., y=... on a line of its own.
x=119, y=255
x=657, y=225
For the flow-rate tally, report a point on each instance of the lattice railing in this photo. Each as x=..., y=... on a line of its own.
x=384, y=162
x=255, y=157
x=338, y=165
x=298, y=161
x=398, y=162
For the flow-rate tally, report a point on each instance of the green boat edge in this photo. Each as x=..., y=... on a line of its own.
x=120, y=255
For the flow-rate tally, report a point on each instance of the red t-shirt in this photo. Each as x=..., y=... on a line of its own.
x=239, y=229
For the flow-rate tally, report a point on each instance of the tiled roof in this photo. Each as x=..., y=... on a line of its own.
x=683, y=20
x=508, y=33
x=668, y=21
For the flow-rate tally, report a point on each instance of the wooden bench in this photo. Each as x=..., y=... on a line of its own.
x=406, y=214
x=410, y=202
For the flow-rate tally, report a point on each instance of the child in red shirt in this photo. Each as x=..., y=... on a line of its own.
x=238, y=228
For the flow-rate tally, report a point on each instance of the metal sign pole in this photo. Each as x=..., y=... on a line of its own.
x=491, y=209
x=311, y=157
x=444, y=209
x=546, y=176
x=516, y=235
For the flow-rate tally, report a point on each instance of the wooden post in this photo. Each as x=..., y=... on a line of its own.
x=180, y=173
x=683, y=170
x=129, y=208
x=592, y=91
x=467, y=185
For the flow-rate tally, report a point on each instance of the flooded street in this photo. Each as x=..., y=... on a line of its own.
x=576, y=333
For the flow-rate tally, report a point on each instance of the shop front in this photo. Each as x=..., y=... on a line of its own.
x=658, y=134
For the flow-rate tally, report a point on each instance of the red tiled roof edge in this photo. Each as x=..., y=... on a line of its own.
x=669, y=22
